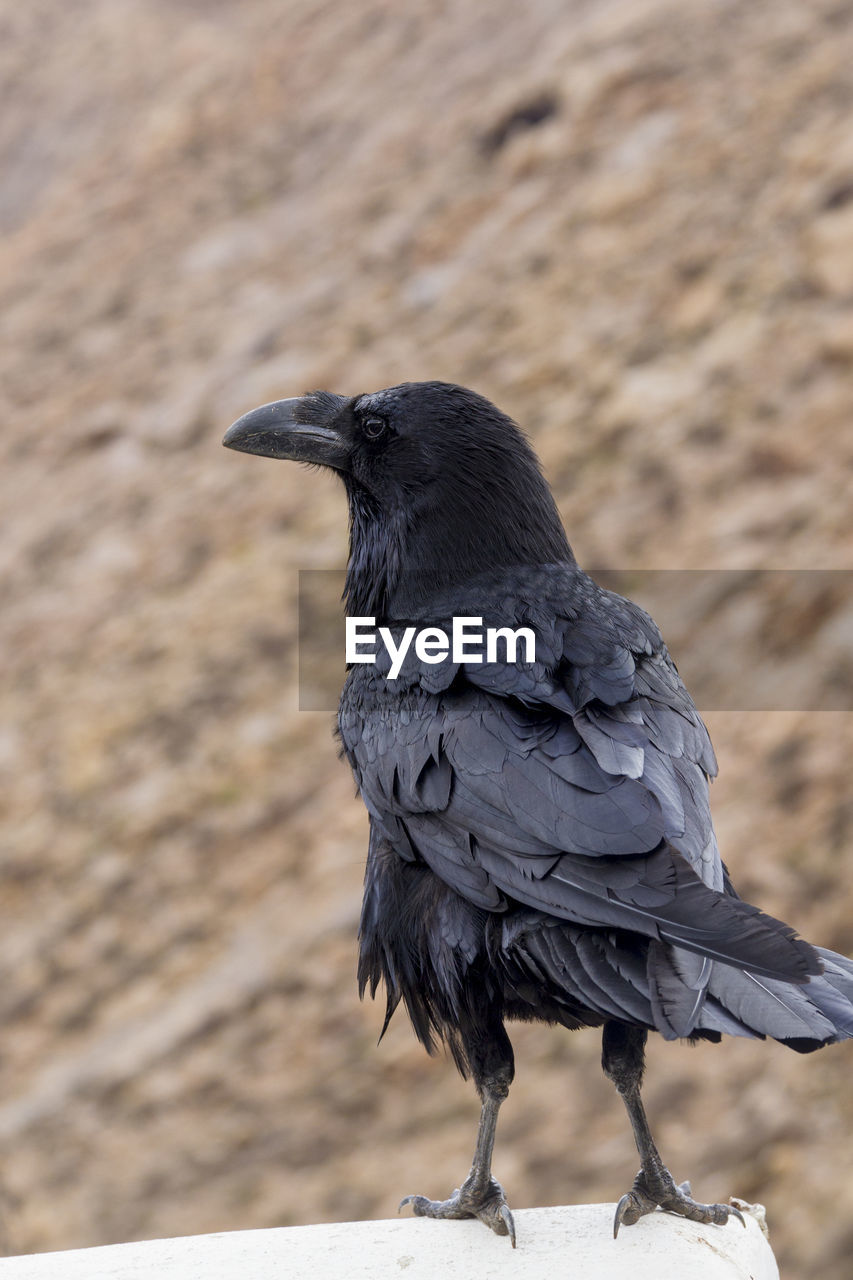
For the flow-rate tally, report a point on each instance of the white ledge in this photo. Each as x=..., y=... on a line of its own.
x=570, y=1241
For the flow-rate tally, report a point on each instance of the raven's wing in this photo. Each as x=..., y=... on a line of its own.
x=576, y=784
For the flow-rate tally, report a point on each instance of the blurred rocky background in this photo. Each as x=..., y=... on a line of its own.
x=630, y=223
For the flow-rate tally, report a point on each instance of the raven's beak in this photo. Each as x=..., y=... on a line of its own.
x=289, y=429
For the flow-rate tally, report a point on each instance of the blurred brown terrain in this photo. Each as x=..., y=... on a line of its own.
x=630, y=223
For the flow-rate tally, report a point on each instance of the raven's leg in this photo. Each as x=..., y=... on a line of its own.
x=622, y=1057
x=489, y=1055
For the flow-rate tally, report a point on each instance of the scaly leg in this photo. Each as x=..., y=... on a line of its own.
x=622, y=1057
x=480, y=1196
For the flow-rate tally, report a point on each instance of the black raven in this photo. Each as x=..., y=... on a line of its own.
x=541, y=844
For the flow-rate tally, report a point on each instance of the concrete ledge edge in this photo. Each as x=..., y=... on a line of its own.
x=570, y=1239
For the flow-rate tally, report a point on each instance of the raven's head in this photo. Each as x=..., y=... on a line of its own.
x=441, y=486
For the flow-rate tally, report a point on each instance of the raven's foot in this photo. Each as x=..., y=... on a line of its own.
x=653, y=1188
x=474, y=1199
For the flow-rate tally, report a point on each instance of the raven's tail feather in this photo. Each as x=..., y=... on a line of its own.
x=803, y=1016
x=669, y=989
x=722, y=927
x=662, y=897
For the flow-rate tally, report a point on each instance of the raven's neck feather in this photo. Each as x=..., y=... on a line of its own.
x=400, y=558
x=375, y=555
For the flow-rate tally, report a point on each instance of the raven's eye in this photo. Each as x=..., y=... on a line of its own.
x=374, y=427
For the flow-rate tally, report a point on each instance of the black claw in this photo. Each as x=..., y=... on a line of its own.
x=510, y=1225
x=736, y=1213
x=619, y=1216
